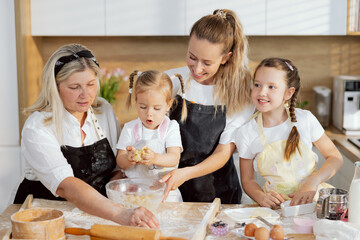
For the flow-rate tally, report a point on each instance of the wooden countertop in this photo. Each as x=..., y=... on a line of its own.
x=176, y=219
x=340, y=140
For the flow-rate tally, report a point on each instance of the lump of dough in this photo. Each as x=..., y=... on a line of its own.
x=137, y=154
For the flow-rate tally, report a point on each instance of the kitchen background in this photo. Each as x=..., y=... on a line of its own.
x=152, y=34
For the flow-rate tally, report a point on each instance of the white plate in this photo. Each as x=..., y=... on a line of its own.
x=240, y=233
x=241, y=214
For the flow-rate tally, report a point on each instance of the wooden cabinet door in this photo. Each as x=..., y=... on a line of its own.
x=68, y=17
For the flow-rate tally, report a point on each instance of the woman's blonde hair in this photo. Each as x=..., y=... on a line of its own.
x=152, y=79
x=49, y=98
x=292, y=79
x=233, y=79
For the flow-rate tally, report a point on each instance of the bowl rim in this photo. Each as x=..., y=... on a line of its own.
x=162, y=189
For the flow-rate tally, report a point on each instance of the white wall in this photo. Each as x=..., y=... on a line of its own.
x=10, y=167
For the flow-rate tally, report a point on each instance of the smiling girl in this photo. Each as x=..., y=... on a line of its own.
x=277, y=142
x=152, y=131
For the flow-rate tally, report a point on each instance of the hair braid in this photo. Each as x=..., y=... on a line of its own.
x=184, y=109
x=131, y=84
x=293, y=140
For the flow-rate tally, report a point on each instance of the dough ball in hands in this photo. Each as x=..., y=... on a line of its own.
x=138, y=153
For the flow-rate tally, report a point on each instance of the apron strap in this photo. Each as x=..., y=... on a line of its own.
x=136, y=132
x=98, y=128
x=260, y=124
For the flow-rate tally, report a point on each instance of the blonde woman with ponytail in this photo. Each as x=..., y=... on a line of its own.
x=277, y=142
x=217, y=99
x=150, y=145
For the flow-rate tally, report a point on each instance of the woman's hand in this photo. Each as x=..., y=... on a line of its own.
x=140, y=217
x=173, y=180
x=305, y=194
x=271, y=199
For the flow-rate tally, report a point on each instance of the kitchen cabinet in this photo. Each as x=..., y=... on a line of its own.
x=10, y=174
x=10, y=165
x=307, y=17
x=145, y=18
x=252, y=14
x=175, y=18
x=68, y=17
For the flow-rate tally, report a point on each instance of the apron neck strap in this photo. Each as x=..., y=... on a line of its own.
x=260, y=126
x=98, y=128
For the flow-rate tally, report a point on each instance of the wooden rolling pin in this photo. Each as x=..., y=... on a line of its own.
x=118, y=232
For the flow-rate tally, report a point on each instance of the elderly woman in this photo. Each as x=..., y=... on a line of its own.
x=69, y=140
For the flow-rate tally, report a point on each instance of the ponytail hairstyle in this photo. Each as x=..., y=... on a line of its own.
x=154, y=80
x=233, y=79
x=293, y=80
x=184, y=109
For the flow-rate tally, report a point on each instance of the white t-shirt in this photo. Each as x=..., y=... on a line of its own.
x=40, y=150
x=203, y=94
x=154, y=139
x=248, y=142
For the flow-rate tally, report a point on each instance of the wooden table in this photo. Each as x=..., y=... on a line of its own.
x=176, y=219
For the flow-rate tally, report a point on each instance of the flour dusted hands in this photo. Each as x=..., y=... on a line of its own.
x=173, y=180
x=140, y=217
x=305, y=194
x=271, y=199
x=145, y=155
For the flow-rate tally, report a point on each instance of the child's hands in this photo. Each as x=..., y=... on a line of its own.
x=305, y=194
x=271, y=199
x=148, y=156
x=145, y=156
x=130, y=154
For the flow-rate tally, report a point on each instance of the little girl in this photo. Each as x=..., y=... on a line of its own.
x=152, y=131
x=277, y=142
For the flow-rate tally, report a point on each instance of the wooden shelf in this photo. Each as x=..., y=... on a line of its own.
x=353, y=17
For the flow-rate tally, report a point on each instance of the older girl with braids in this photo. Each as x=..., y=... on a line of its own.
x=277, y=142
x=153, y=132
x=217, y=88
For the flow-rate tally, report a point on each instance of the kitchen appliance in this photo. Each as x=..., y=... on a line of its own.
x=332, y=203
x=322, y=100
x=346, y=104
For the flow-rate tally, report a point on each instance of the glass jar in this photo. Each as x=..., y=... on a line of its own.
x=354, y=197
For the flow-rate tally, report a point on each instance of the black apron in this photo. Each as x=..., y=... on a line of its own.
x=200, y=135
x=93, y=164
